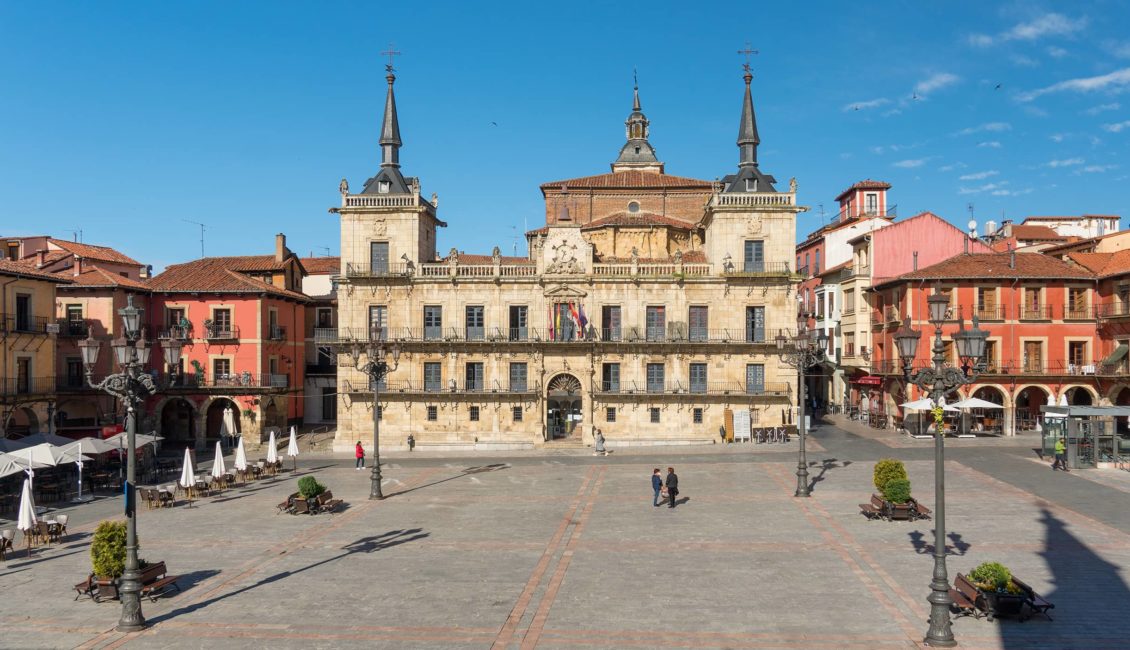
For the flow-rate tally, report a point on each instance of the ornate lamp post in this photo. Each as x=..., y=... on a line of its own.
x=803, y=351
x=131, y=386
x=939, y=381
x=377, y=368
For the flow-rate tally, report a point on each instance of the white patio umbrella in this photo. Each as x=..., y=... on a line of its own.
x=218, y=469
x=240, y=457
x=10, y=464
x=925, y=404
x=27, y=519
x=37, y=438
x=121, y=440
x=89, y=445
x=272, y=451
x=975, y=403
x=292, y=446
x=227, y=425
x=187, y=473
x=8, y=446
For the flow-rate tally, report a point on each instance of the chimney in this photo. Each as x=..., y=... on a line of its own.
x=146, y=272
x=1011, y=258
x=280, y=247
x=967, y=243
x=42, y=258
x=990, y=228
x=915, y=260
x=78, y=265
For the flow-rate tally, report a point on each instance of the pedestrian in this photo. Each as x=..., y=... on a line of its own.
x=1060, y=455
x=656, y=486
x=672, y=486
x=599, y=444
x=359, y=453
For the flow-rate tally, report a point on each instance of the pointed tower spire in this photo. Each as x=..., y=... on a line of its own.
x=637, y=153
x=747, y=130
x=389, y=180
x=635, y=92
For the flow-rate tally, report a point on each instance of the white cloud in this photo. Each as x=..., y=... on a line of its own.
x=1035, y=110
x=909, y=164
x=1056, y=52
x=1066, y=162
x=871, y=103
x=845, y=156
x=1113, y=80
x=995, y=127
x=1052, y=24
x=935, y=82
x=893, y=111
x=987, y=187
x=1057, y=137
x=1096, y=169
x=952, y=167
x=990, y=144
x=979, y=176
x=1026, y=61
x=1026, y=190
x=1095, y=110
x=1117, y=127
x=1121, y=49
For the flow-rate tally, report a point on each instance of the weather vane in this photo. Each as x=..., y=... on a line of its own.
x=747, y=52
x=391, y=53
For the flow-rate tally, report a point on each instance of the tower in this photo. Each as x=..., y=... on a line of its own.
x=637, y=154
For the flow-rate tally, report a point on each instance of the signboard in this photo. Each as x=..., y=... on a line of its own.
x=741, y=426
x=870, y=381
x=52, y=328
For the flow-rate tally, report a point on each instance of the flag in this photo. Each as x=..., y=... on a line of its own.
x=556, y=321
x=584, y=320
x=573, y=314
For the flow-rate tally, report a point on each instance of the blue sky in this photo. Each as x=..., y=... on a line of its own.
x=125, y=120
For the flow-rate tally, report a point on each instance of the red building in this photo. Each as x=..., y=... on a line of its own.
x=242, y=322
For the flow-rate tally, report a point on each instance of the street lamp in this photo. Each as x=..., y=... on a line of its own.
x=803, y=351
x=131, y=386
x=939, y=381
x=377, y=369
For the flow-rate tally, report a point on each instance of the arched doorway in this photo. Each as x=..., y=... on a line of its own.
x=22, y=421
x=177, y=422
x=989, y=420
x=273, y=416
x=1122, y=398
x=1028, y=403
x=563, y=406
x=1079, y=396
x=214, y=418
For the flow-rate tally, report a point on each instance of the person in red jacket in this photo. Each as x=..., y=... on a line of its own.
x=359, y=452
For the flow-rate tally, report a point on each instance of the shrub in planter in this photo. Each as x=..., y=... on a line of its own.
x=309, y=487
x=886, y=470
x=108, y=549
x=897, y=490
x=993, y=576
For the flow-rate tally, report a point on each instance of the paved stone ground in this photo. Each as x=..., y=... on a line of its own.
x=564, y=550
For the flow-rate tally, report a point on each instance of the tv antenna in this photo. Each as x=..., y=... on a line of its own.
x=201, y=234
x=76, y=235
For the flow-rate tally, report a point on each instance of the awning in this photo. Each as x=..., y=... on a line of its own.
x=869, y=381
x=1117, y=355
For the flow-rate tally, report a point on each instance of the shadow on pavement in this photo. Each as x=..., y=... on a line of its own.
x=470, y=470
x=918, y=539
x=825, y=465
x=364, y=545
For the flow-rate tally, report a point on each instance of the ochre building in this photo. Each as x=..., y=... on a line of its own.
x=648, y=307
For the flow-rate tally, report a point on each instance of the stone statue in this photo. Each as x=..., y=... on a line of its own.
x=343, y=187
x=727, y=264
x=496, y=255
x=792, y=184
x=435, y=200
x=678, y=257
x=635, y=255
x=453, y=256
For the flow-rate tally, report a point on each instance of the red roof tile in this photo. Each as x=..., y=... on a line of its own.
x=321, y=265
x=10, y=268
x=637, y=219
x=96, y=277
x=1067, y=218
x=1042, y=233
x=996, y=265
x=629, y=179
x=92, y=252
x=220, y=275
x=1104, y=265
x=867, y=184
x=465, y=258
x=689, y=257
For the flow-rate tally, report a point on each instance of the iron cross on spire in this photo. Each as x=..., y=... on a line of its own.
x=390, y=52
x=747, y=52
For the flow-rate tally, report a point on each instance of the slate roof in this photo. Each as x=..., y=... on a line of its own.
x=980, y=266
x=637, y=219
x=221, y=275
x=321, y=265
x=629, y=179
x=10, y=268
x=1042, y=233
x=866, y=184
x=92, y=252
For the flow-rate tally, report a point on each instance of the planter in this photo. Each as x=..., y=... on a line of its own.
x=997, y=604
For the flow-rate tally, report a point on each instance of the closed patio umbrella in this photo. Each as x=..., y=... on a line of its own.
x=272, y=451
x=240, y=457
x=218, y=469
x=292, y=446
x=187, y=478
x=227, y=425
x=27, y=520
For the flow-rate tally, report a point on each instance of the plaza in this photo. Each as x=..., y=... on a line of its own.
x=558, y=548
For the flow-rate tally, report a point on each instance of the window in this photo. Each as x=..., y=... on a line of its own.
x=474, y=323
x=563, y=328
x=324, y=317
x=610, y=323
x=516, y=413
x=755, y=378
x=831, y=303
x=991, y=356
x=518, y=377
x=23, y=375
x=1077, y=353
x=1033, y=356
x=221, y=323
x=378, y=257
x=610, y=377
x=820, y=306
x=849, y=344
x=474, y=376
x=697, y=415
x=754, y=257
x=221, y=369
x=74, y=372
x=433, y=322
x=519, y=330
x=23, y=312
x=699, y=323
x=871, y=203
x=14, y=251
x=1076, y=302
x=656, y=323
x=378, y=322
x=654, y=413
x=274, y=332
x=1031, y=307
x=433, y=376
x=433, y=414
x=849, y=301
x=610, y=414
x=807, y=265
x=655, y=377
x=987, y=304
x=474, y=413
x=633, y=206
x=383, y=187
x=816, y=267
x=75, y=325
x=751, y=184
x=755, y=324
x=698, y=377
x=174, y=317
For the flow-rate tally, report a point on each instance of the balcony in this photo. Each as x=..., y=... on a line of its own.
x=1035, y=312
x=175, y=333
x=1078, y=313
x=672, y=333
x=763, y=270
x=26, y=324
x=26, y=386
x=276, y=333
x=361, y=270
x=1112, y=310
x=891, y=314
x=72, y=328
x=990, y=313
x=736, y=388
x=221, y=333
x=71, y=383
x=450, y=387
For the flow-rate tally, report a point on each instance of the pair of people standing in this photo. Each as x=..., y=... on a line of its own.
x=671, y=485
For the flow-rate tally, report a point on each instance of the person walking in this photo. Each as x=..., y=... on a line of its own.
x=672, y=486
x=1060, y=455
x=656, y=486
x=359, y=453
x=599, y=449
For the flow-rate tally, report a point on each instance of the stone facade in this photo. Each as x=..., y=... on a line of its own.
x=647, y=308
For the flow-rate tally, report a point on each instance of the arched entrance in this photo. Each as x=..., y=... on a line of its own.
x=274, y=416
x=1122, y=398
x=214, y=418
x=177, y=422
x=1028, y=403
x=563, y=406
x=1079, y=396
x=22, y=421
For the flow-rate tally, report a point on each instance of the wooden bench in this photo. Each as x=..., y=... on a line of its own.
x=876, y=509
x=104, y=589
x=327, y=502
x=286, y=506
x=1035, y=601
x=919, y=511
x=85, y=588
x=964, y=595
x=155, y=581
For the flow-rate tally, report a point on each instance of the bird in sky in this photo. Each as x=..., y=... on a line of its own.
x=494, y=123
x=998, y=87
x=914, y=95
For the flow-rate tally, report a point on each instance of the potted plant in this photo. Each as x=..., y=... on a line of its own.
x=1002, y=597
x=309, y=488
x=108, y=557
x=886, y=470
x=896, y=493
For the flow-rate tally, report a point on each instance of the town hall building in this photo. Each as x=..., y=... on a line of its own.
x=648, y=307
